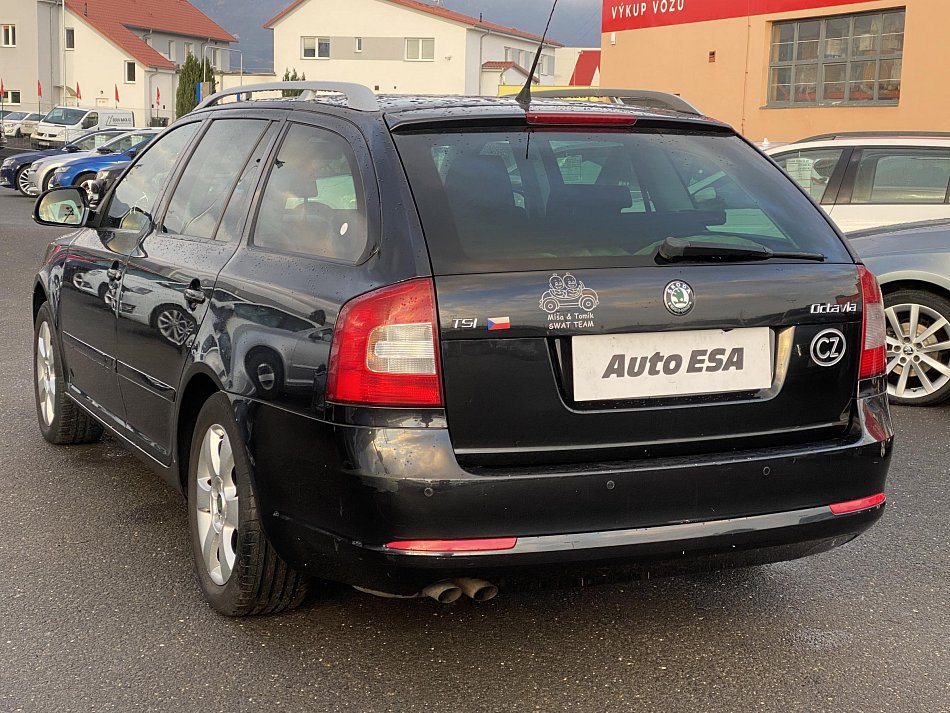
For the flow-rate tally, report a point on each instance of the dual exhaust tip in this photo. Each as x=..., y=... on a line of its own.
x=447, y=591
x=451, y=591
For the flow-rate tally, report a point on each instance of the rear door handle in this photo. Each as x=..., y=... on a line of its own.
x=194, y=296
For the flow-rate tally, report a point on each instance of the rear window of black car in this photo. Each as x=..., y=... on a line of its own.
x=526, y=200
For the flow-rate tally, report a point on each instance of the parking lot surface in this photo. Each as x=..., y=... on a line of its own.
x=99, y=611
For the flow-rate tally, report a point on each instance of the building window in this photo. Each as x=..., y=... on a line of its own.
x=189, y=49
x=70, y=38
x=358, y=47
x=171, y=50
x=835, y=60
x=315, y=47
x=420, y=49
x=11, y=96
x=130, y=72
x=8, y=35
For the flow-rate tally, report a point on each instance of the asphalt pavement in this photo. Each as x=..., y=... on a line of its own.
x=99, y=610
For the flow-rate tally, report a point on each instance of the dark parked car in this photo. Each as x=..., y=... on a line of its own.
x=13, y=169
x=490, y=344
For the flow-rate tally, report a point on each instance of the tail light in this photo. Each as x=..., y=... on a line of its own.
x=873, y=333
x=385, y=349
x=578, y=118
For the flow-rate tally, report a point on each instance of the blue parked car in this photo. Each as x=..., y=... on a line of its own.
x=13, y=169
x=84, y=168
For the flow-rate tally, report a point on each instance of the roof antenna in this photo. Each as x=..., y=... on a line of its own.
x=524, y=96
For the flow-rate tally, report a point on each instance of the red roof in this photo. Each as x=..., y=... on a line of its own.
x=114, y=18
x=445, y=14
x=495, y=64
x=588, y=63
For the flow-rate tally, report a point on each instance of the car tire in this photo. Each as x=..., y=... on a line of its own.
x=61, y=420
x=173, y=323
x=82, y=178
x=238, y=570
x=918, y=370
x=21, y=182
x=46, y=182
x=266, y=372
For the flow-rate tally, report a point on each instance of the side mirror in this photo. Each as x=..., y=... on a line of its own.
x=132, y=153
x=65, y=206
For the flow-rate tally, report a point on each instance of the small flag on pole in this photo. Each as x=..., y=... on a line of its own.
x=78, y=93
x=39, y=88
x=116, y=93
x=158, y=96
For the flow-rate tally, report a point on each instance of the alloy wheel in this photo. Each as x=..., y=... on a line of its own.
x=918, y=351
x=46, y=374
x=217, y=504
x=174, y=325
x=23, y=183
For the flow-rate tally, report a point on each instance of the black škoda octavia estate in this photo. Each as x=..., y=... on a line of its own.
x=436, y=345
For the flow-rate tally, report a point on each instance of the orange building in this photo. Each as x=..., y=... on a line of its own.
x=785, y=69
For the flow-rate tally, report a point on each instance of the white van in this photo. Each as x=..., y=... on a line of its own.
x=64, y=123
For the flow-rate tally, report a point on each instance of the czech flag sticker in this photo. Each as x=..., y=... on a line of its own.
x=498, y=323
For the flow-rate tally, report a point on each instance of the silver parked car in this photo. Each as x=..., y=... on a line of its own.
x=912, y=264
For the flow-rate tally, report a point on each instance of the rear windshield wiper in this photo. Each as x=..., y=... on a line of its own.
x=683, y=250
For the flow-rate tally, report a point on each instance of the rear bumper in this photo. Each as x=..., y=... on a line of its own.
x=332, y=508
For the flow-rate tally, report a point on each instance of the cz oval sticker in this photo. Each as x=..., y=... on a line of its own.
x=828, y=347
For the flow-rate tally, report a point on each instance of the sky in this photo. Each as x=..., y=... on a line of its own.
x=576, y=22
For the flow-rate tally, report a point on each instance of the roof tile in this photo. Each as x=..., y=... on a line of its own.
x=113, y=18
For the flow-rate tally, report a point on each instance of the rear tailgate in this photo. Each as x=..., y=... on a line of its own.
x=509, y=366
x=567, y=336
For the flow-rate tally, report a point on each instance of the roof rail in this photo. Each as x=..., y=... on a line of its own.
x=876, y=135
x=358, y=97
x=634, y=97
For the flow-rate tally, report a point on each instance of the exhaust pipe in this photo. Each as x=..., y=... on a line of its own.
x=477, y=589
x=443, y=592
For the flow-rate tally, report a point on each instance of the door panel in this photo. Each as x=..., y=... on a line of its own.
x=87, y=321
x=168, y=283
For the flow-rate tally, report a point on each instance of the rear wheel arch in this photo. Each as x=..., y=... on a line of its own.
x=898, y=285
x=200, y=387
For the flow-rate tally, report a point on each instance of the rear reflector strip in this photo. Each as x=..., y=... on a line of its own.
x=856, y=505
x=496, y=543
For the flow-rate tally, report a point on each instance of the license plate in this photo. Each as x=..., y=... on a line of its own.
x=633, y=366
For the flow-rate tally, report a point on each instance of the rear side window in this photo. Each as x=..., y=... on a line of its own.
x=312, y=202
x=531, y=200
x=203, y=189
x=811, y=169
x=888, y=176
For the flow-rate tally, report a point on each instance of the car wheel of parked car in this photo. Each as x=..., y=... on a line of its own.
x=23, y=182
x=918, y=347
x=266, y=373
x=85, y=181
x=61, y=420
x=237, y=568
x=173, y=323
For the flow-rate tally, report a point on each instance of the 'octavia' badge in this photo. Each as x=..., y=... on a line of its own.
x=678, y=297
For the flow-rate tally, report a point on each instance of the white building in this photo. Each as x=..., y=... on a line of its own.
x=404, y=46
x=103, y=53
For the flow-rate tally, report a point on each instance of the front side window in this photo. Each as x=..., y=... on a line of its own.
x=70, y=38
x=420, y=49
x=135, y=195
x=8, y=35
x=811, y=169
x=313, y=202
x=892, y=176
x=835, y=60
x=214, y=167
x=315, y=47
x=528, y=200
x=130, y=72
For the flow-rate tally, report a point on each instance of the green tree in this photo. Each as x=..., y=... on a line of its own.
x=192, y=72
x=292, y=77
